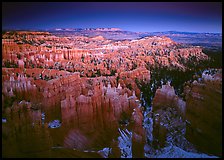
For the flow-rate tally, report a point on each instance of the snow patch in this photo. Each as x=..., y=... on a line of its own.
x=176, y=152
x=125, y=143
x=3, y=120
x=105, y=152
x=54, y=124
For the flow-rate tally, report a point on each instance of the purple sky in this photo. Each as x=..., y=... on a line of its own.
x=131, y=16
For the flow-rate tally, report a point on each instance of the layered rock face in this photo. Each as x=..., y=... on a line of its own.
x=88, y=104
x=103, y=107
x=204, y=113
x=97, y=107
x=90, y=54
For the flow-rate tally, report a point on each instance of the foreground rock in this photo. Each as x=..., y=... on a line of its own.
x=169, y=126
x=204, y=113
x=166, y=97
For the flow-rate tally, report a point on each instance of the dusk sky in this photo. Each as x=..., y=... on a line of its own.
x=131, y=16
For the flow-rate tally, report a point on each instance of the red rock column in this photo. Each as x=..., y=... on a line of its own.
x=138, y=134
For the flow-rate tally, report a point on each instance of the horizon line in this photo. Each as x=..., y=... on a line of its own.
x=46, y=29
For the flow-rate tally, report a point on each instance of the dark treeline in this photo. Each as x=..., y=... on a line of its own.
x=161, y=76
x=177, y=78
x=216, y=58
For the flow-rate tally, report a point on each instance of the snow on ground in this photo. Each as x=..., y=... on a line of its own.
x=105, y=152
x=54, y=124
x=176, y=152
x=125, y=143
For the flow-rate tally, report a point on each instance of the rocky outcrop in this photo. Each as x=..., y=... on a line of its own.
x=166, y=97
x=138, y=134
x=169, y=125
x=22, y=127
x=204, y=116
